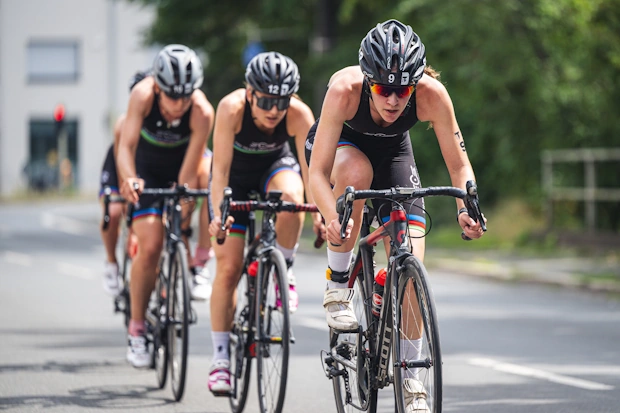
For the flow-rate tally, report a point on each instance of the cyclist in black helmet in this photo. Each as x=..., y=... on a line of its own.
x=253, y=126
x=200, y=280
x=163, y=139
x=362, y=139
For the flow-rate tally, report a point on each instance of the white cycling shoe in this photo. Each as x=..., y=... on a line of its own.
x=201, y=287
x=415, y=397
x=339, y=309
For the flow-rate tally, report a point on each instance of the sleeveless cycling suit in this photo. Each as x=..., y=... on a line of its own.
x=257, y=158
x=389, y=151
x=160, y=154
x=109, y=178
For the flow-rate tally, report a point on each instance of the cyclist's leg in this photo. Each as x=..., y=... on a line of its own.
x=148, y=229
x=284, y=175
x=229, y=262
x=351, y=167
x=109, y=236
x=402, y=171
x=201, y=280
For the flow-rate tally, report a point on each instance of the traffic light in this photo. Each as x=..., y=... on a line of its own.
x=59, y=116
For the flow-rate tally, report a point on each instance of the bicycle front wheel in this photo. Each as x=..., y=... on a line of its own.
x=353, y=389
x=179, y=313
x=240, y=341
x=416, y=350
x=159, y=330
x=272, y=333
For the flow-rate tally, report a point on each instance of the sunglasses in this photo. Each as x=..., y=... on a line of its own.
x=175, y=96
x=266, y=103
x=386, y=91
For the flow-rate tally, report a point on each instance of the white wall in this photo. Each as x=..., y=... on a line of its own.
x=98, y=93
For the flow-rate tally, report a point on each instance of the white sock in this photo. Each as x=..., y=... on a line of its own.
x=289, y=253
x=411, y=350
x=220, y=341
x=338, y=261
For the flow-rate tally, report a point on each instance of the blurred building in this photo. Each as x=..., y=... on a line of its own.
x=75, y=53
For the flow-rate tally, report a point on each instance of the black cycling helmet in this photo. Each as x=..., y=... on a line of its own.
x=392, y=53
x=273, y=73
x=177, y=70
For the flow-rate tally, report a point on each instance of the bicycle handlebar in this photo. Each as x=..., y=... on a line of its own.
x=344, y=203
x=274, y=204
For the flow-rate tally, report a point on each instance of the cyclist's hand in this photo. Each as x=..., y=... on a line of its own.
x=215, y=227
x=333, y=232
x=470, y=227
x=318, y=225
x=128, y=190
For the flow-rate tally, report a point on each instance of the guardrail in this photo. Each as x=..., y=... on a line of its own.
x=589, y=193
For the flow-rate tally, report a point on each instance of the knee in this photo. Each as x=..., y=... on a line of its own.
x=149, y=249
x=358, y=174
x=227, y=275
x=293, y=193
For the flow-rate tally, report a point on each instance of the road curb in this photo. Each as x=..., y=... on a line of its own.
x=512, y=272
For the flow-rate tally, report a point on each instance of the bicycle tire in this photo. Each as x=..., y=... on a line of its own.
x=272, y=333
x=159, y=331
x=413, y=280
x=125, y=276
x=361, y=395
x=179, y=314
x=240, y=342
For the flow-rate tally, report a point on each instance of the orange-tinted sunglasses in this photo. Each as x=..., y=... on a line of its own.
x=386, y=91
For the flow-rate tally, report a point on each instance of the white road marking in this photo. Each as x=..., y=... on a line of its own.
x=64, y=224
x=75, y=270
x=17, y=258
x=538, y=374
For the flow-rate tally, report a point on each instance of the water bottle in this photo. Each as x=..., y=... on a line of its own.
x=377, y=295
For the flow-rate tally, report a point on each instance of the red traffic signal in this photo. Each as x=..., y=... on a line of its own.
x=59, y=112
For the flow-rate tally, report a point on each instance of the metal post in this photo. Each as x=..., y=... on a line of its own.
x=547, y=184
x=590, y=189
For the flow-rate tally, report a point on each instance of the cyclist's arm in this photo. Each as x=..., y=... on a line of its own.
x=299, y=125
x=201, y=124
x=434, y=105
x=339, y=105
x=140, y=102
x=227, y=120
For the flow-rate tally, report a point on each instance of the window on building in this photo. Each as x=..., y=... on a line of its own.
x=53, y=61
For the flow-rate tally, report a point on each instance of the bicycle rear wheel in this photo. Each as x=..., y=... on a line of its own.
x=418, y=350
x=358, y=395
x=179, y=313
x=240, y=341
x=273, y=333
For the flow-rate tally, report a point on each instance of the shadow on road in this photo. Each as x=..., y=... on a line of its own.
x=116, y=397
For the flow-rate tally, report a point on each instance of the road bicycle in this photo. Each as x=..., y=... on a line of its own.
x=261, y=327
x=169, y=313
x=381, y=351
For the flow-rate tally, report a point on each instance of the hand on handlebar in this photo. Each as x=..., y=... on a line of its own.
x=215, y=228
x=131, y=189
x=333, y=232
x=471, y=228
x=318, y=226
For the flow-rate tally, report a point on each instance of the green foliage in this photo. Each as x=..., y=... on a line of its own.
x=524, y=75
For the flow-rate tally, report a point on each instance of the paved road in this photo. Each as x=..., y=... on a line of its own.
x=507, y=347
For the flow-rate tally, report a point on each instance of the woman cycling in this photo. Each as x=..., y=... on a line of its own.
x=163, y=139
x=251, y=153
x=362, y=139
